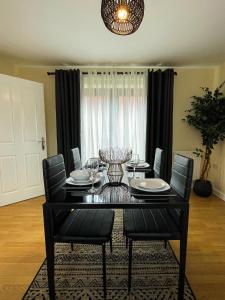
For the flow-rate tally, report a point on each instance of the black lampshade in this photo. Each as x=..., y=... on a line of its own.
x=122, y=17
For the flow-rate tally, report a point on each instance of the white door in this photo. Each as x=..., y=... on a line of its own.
x=22, y=139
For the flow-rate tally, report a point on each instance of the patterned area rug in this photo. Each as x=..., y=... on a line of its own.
x=78, y=273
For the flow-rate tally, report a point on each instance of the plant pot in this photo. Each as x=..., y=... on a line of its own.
x=202, y=188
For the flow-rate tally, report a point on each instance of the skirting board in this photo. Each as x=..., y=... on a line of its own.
x=9, y=202
x=219, y=194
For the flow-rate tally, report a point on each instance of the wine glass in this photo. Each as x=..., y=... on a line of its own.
x=134, y=162
x=92, y=165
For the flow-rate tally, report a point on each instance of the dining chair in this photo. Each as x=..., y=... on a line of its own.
x=158, y=170
x=158, y=163
x=157, y=173
x=79, y=226
x=159, y=224
x=76, y=158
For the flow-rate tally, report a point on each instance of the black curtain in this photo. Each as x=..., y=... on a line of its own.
x=159, y=131
x=67, y=87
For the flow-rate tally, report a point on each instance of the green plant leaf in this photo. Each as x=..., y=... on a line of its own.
x=207, y=114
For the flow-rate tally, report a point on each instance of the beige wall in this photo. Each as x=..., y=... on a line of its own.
x=217, y=172
x=187, y=83
x=6, y=65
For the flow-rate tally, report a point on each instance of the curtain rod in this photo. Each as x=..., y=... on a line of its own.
x=85, y=73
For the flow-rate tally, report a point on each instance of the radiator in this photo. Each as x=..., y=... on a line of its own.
x=197, y=162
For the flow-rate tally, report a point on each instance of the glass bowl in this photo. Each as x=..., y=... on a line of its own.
x=115, y=157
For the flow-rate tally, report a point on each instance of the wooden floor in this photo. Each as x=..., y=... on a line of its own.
x=22, y=247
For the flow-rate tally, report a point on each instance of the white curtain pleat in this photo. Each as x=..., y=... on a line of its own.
x=113, y=112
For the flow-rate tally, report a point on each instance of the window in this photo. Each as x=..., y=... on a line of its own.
x=113, y=112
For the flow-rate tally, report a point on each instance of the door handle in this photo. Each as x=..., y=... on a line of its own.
x=42, y=141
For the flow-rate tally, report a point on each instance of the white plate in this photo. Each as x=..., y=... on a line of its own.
x=80, y=180
x=72, y=181
x=135, y=183
x=140, y=165
x=152, y=184
x=80, y=175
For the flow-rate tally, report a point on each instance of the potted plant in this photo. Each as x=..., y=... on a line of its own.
x=207, y=114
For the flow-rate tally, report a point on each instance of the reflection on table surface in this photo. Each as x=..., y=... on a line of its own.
x=116, y=195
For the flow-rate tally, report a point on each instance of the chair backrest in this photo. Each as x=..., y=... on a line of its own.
x=182, y=171
x=158, y=163
x=54, y=174
x=76, y=158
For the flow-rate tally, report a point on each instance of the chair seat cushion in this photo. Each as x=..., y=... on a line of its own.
x=149, y=224
x=87, y=226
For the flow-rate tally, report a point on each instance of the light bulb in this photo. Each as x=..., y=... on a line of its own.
x=122, y=13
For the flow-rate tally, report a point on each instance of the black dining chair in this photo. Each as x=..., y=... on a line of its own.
x=158, y=163
x=158, y=170
x=157, y=173
x=76, y=158
x=79, y=226
x=159, y=224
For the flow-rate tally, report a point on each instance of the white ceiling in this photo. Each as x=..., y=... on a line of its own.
x=71, y=32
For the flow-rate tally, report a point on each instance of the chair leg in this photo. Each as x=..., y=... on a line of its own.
x=50, y=252
x=71, y=244
x=50, y=269
x=130, y=265
x=104, y=269
x=165, y=244
x=111, y=249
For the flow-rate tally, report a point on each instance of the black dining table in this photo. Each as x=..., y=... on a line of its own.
x=114, y=196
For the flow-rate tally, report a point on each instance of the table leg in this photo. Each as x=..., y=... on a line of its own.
x=182, y=266
x=183, y=252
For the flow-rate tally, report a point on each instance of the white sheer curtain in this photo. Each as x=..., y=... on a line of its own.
x=113, y=112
